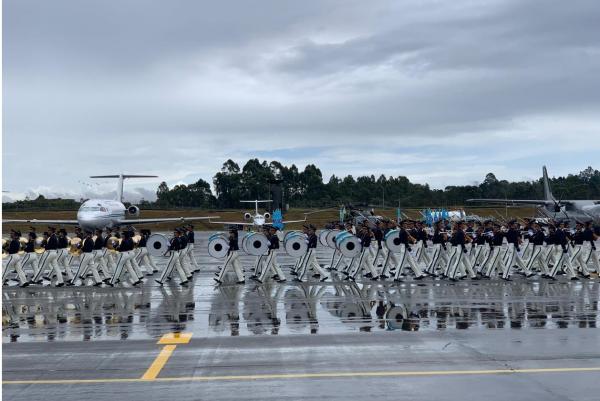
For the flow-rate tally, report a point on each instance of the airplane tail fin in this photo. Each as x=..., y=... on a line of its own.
x=121, y=177
x=547, y=193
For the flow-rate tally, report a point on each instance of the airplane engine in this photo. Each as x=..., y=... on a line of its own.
x=348, y=244
x=255, y=244
x=267, y=215
x=133, y=211
x=218, y=245
x=392, y=241
x=295, y=244
x=157, y=245
x=247, y=216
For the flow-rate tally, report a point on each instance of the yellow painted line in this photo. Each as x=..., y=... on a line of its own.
x=175, y=338
x=315, y=375
x=159, y=362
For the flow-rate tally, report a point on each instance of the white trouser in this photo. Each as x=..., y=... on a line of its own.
x=86, y=261
x=183, y=263
x=421, y=253
x=310, y=261
x=380, y=252
x=563, y=263
x=389, y=260
x=48, y=260
x=365, y=264
x=189, y=254
x=124, y=263
x=135, y=265
x=579, y=259
x=513, y=259
x=438, y=257
x=63, y=260
x=232, y=261
x=478, y=253
x=594, y=258
x=100, y=259
x=13, y=263
x=537, y=258
x=30, y=259
x=461, y=264
x=145, y=260
x=271, y=265
x=494, y=261
x=406, y=258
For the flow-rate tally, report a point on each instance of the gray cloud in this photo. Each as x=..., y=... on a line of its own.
x=176, y=88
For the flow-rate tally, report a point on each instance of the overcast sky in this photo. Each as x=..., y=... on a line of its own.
x=439, y=91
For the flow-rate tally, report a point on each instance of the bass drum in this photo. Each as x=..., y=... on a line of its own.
x=157, y=245
x=295, y=245
x=392, y=242
x=255, y=244
x=348, y=244
x=331, y=238
x=218, y=245
x=290, y=233
x=323, y=237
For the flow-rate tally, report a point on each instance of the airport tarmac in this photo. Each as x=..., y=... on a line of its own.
x=521, y=340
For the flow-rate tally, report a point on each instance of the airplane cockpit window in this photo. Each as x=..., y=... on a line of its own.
x=92, y=209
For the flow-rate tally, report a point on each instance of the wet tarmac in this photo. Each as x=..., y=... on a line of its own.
x=291, y=328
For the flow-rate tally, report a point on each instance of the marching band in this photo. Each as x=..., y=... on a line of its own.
x=374, y=250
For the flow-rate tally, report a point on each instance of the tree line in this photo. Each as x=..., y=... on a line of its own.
x=307, y=189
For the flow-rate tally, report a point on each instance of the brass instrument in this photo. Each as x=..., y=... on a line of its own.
x=75, y=246
x=113, y=243
x=38, y=245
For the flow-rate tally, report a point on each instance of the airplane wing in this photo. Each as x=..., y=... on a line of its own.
x=292, y=221
x=163, y=220
x=230, y=222
x=523, y=201
x=36, y=221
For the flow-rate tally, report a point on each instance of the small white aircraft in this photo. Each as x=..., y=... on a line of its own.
x=256, y=220
x=103, y=213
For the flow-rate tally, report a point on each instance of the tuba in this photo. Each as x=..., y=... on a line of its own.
x=75, y=246
x=113, y=243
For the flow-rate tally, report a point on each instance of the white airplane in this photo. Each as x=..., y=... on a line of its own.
x=256, y=220
x=103, y=213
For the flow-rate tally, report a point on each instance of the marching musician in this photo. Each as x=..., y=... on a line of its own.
x=310, y=260
x=86, y=261
x=513, y=237
x=144, y=258
x=440, y=251
x=271, y=264
x=460, y=263
x=174, y=261
x=189, y=252
x=12, y=262
x=48, y=260
x=182, y=250
x=31, y=257
x=578, y=258
x=63, y=258
x=564, y=263
x=406, y=240
x=125, y=249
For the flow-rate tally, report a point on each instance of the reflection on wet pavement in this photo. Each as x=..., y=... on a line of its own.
x=85, y=314
x=270, y=309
